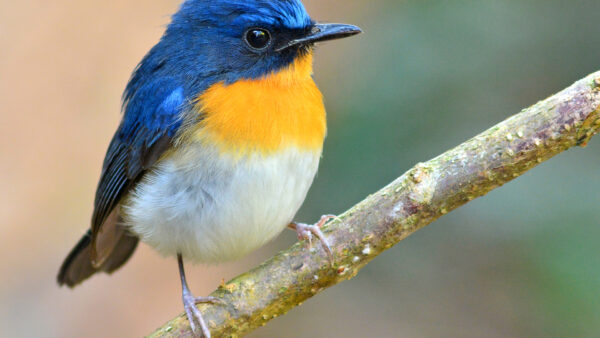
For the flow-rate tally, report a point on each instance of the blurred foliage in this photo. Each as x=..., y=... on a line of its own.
x=426, y=75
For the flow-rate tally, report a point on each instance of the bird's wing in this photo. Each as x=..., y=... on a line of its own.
x=152, y=118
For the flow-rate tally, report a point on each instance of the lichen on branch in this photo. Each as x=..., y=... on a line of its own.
x=423, y=194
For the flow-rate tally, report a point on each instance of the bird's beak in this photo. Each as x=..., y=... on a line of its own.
x=323, y=32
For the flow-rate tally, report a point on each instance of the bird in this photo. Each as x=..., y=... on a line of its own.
x=221, y=136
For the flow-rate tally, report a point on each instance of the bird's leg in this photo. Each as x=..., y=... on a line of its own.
x=189, y=302
x=306, y=231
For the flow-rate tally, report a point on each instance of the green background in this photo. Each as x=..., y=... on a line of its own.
x=426, y=76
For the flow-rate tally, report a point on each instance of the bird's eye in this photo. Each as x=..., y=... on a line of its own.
x=258, y=38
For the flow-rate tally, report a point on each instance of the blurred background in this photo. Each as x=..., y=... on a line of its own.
x=426, y=75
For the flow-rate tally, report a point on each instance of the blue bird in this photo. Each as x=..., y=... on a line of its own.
x=220, y=140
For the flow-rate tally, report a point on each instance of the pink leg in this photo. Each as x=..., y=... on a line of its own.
x=189, y=304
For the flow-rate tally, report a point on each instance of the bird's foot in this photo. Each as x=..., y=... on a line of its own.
x=194, y=315
x=306, y=232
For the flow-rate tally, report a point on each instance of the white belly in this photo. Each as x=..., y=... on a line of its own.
x=213, y=208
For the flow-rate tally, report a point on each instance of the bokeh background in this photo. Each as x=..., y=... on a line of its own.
x=426, y=75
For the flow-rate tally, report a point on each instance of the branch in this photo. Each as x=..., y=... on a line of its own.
x=414, y=200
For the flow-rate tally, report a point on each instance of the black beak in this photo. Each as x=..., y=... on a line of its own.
x=323, y=32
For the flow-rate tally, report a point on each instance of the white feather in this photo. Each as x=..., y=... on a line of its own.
x=212, y=207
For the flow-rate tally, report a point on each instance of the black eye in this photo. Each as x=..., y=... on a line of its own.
x=258, y=38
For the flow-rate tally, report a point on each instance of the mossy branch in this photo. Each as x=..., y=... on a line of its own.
x=414, y=200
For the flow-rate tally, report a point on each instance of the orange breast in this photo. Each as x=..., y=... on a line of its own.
x=264, y=115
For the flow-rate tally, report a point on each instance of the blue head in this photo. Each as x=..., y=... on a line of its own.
x=211, y=41
x=212, y=38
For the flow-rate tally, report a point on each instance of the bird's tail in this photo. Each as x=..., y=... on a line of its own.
x=78, y=266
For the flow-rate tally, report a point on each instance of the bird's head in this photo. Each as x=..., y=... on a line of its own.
x=228, y=40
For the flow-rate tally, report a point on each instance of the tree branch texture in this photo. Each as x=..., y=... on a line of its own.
x=420, y=196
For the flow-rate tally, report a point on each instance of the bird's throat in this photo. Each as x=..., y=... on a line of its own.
x=280, y=110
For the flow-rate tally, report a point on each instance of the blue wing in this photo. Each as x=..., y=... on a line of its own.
x=152, y=118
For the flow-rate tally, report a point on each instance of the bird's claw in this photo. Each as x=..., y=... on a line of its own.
x=193, y=314
x=209, y=300
x=306, y=232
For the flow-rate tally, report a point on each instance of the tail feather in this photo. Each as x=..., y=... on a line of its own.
x=78, y=267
